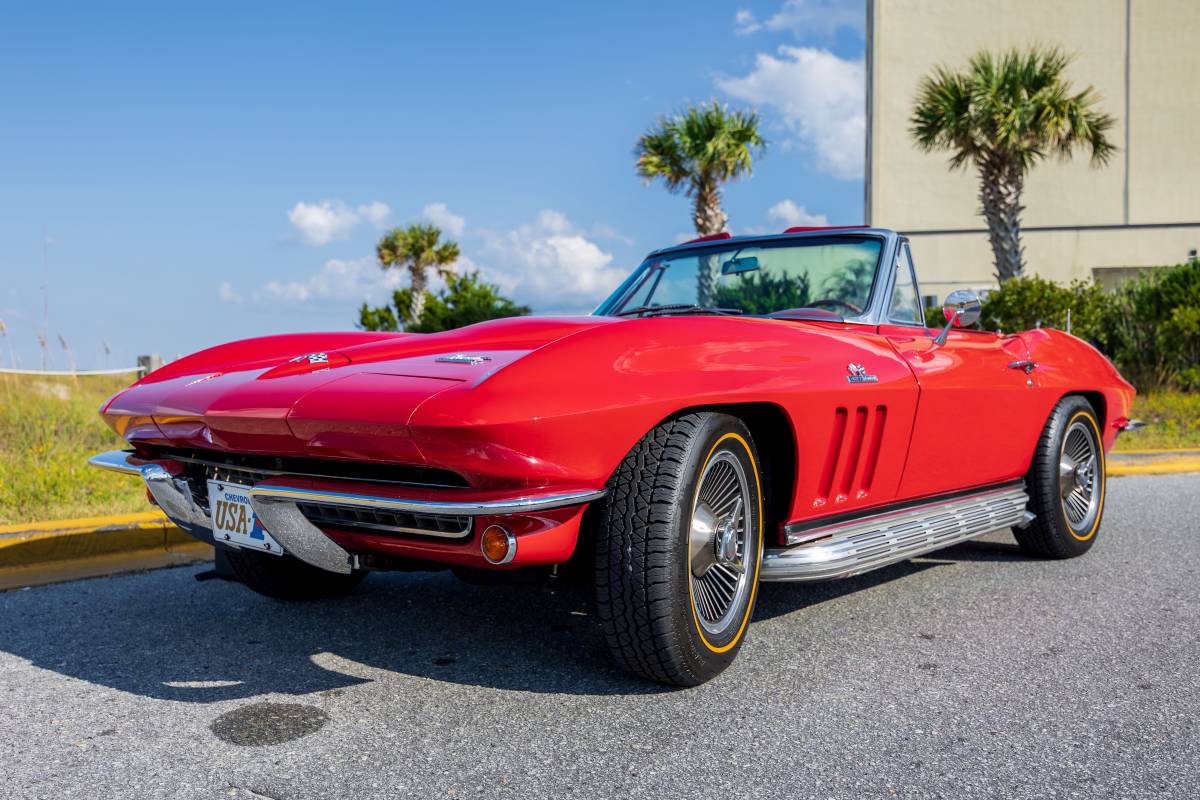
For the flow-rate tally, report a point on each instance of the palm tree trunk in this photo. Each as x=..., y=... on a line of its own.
x=1000, y=183
x=416, y=305
x=709, y=218
x=707, y=215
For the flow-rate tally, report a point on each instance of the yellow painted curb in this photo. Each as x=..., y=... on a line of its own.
x=141, y=519
x=47, y=552
x=1164, y=467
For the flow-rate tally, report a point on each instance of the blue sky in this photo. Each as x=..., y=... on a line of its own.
x=178, y=176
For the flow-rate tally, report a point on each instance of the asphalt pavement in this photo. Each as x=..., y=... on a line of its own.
x=975, y=672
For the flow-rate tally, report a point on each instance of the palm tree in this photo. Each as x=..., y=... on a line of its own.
x=695, y=152
x=1004, y=114
x=417, y=248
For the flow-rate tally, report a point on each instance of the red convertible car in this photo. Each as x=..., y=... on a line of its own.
x=740, y=409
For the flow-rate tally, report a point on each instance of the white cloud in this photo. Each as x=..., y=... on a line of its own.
x=336, y=282
x=375, y=213
x=439, y=214
x=820, y=96
x=603, y=230
x=550, y=265
x=228, y=294
x=821, y=18
x=321, y=223
x=745, y=23
x=790, y=215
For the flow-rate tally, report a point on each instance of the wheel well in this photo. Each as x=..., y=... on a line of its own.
x=775, y=441
x=1097, y=401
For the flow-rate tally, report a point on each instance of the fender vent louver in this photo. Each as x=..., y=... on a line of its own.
x=853, y=454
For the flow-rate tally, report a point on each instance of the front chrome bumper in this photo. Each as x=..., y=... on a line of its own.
x=171, y=493
x=277, y=507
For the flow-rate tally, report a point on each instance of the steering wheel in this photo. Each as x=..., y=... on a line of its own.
x=828, y=301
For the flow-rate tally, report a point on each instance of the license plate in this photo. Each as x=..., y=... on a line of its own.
x=233, y=518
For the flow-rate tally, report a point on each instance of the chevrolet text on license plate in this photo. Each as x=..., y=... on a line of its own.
x=233, y=518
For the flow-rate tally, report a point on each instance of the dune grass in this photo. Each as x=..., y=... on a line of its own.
x=48, y=428
x=1172, y=422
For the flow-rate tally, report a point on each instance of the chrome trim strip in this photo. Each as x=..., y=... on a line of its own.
x=454, y=508
x=800, y=532
x=115, y=461
x=868, y=543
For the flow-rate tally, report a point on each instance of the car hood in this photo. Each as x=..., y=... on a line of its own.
x=338, y=395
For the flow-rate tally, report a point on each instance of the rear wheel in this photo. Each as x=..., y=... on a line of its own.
x=1066, y=483
x=288, y=578
x=678, y=549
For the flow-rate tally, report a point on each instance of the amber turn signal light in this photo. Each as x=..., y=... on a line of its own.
x=498, y=544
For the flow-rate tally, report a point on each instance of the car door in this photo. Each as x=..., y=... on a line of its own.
x=974, y=400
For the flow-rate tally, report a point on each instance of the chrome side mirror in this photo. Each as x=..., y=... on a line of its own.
x=962, y=308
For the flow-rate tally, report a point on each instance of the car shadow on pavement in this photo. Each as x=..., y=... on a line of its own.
x=165, y=635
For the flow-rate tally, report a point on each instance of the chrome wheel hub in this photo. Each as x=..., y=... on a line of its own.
x=717, y=542
x=1077, y=484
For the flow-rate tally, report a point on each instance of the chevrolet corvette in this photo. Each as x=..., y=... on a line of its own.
x=738, y=410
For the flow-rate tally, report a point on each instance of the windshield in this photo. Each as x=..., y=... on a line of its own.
x=757, y=278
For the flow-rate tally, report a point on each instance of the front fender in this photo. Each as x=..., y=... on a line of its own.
x=570, y=411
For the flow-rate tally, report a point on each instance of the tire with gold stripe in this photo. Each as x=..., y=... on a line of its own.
x=1066, y=483
x=678, y=549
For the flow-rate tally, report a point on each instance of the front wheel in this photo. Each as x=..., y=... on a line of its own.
x=678, y=549
x=1066, y=483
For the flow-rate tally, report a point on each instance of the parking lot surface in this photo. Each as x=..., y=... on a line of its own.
x=974, y=672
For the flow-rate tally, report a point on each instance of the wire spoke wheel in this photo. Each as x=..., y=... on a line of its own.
x=1077, y=475
x=717, y=543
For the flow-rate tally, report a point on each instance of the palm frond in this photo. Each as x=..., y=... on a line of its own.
x=1016, y=107
x=700, y=145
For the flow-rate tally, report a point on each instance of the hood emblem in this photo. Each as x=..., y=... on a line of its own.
x=858, y=374
x=312, y=358
x=462, y=358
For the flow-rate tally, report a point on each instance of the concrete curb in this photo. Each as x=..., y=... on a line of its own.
x=1153, y=462
x=49, y=552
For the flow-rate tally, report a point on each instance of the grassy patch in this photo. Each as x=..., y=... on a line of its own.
x=1172, y=422
x=48, y=428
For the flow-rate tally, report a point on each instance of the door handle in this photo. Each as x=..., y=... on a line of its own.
x=1028, y=366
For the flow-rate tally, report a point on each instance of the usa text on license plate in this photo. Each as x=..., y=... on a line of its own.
x=234, y=520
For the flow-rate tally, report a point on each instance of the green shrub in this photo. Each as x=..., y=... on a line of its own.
x=464, y=301
x=1152, y=328
x=1031, y=302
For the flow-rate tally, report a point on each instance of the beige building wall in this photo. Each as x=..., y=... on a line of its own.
x=1142, y=209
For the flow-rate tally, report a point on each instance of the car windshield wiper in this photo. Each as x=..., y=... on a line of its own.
x=680, y=308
